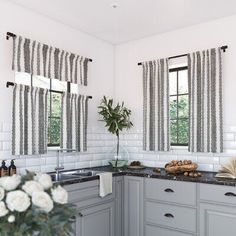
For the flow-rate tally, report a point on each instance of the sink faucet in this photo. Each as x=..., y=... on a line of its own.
x=58, y=166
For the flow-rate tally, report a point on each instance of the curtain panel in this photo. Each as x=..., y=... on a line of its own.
x=156, y=105
x=74, y=120
x=40, y=59
x=29, y=120
x=205, y=93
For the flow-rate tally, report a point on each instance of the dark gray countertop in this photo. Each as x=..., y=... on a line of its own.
x=207, y=177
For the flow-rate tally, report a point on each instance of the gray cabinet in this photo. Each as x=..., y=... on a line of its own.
x=217, y=210
x=96, y=220
x=216, y=220
x=170, y=208
x=133, y=204
x=119, y=206
x=96, y=215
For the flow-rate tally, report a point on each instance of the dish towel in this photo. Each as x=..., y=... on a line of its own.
x=105, y=179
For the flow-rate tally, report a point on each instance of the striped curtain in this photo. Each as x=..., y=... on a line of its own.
x=205, y=93
x=74, y=119
x=29, y=120
x=156, y=105
x=40, y=59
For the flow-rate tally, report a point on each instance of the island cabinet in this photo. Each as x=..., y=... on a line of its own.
x=217, y=210
x=96, y=215
x=170, y=208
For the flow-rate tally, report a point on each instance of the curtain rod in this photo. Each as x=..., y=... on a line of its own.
x=8, y=84
x=11, y=35
x=184, y=55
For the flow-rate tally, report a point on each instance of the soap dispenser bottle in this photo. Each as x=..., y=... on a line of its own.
x=4, y=169
x=12, y=168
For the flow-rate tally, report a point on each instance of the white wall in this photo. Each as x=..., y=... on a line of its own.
x=18, y=20
x=128, y=82
x=115, y=73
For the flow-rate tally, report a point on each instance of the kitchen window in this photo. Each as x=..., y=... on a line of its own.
x=179, y=106
x=56, y=87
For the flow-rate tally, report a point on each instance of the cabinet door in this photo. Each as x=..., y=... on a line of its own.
x=217, y=220
x=133, y=206
x=97, y=220
x=119, y=210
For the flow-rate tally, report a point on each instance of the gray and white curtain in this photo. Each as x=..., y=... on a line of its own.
x=156, y=105
x=29, y=120
x=205, y=93
x=74, y=121
x=40, y=59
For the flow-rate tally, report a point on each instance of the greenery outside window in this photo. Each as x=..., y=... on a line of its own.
x=179, y=106
x=56, y=88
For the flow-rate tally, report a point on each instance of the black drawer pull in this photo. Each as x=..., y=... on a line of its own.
x=80, y=214
x=169, y=215
x=169, y=190
x=230, y=194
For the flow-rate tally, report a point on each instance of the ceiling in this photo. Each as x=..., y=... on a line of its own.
x=132, y=19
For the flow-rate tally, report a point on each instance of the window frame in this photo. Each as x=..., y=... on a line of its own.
x=177, y=95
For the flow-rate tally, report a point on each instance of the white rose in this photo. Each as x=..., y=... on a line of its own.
x=59, y=195
x=2, y=193
x=32, y=186
x=44, y=179
x=11, y=219
x=10, y=183
x=43, y=201
x=3, y=209
x=17, y=201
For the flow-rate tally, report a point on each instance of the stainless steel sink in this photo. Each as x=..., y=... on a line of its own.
x=62, y=177
x=75, y=174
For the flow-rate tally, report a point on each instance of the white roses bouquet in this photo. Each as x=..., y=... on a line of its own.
x=32, y=205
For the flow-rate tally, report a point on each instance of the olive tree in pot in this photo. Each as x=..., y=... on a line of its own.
x=116, y=118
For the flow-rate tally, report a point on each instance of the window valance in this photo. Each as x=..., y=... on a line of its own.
x=40, y=59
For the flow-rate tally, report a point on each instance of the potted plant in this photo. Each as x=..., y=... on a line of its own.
x=116, y=118
x=32, y=205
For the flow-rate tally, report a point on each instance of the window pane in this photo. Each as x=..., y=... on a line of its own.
x=23, y=78
x=59, y=85
x=183, y=81
x=173, y=107
x=41, y=82
x=56, y=104
x=183, y=106
x=173, y=83
x=183, y=131
x=173, y=131
x=54, y=130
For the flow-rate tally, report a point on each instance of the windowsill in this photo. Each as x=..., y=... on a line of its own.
x=53, y=148
x=179, y=147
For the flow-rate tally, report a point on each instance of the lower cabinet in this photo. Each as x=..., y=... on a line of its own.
x=133, y=204
x=217, y=220
x=98, y=220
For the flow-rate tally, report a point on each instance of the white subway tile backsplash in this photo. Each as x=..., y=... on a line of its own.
x=101, y=149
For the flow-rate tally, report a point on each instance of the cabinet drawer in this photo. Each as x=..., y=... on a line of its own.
x=171, y=191
x=172, y=216
x=216, y=193
x=151, y=230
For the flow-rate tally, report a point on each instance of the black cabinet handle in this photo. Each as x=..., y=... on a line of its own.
x=230, y=194
x=80, y=214
x=169, y=190
x=168, y=215
x=72, y=219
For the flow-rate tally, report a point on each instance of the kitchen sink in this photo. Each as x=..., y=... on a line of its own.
x=75, y=174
